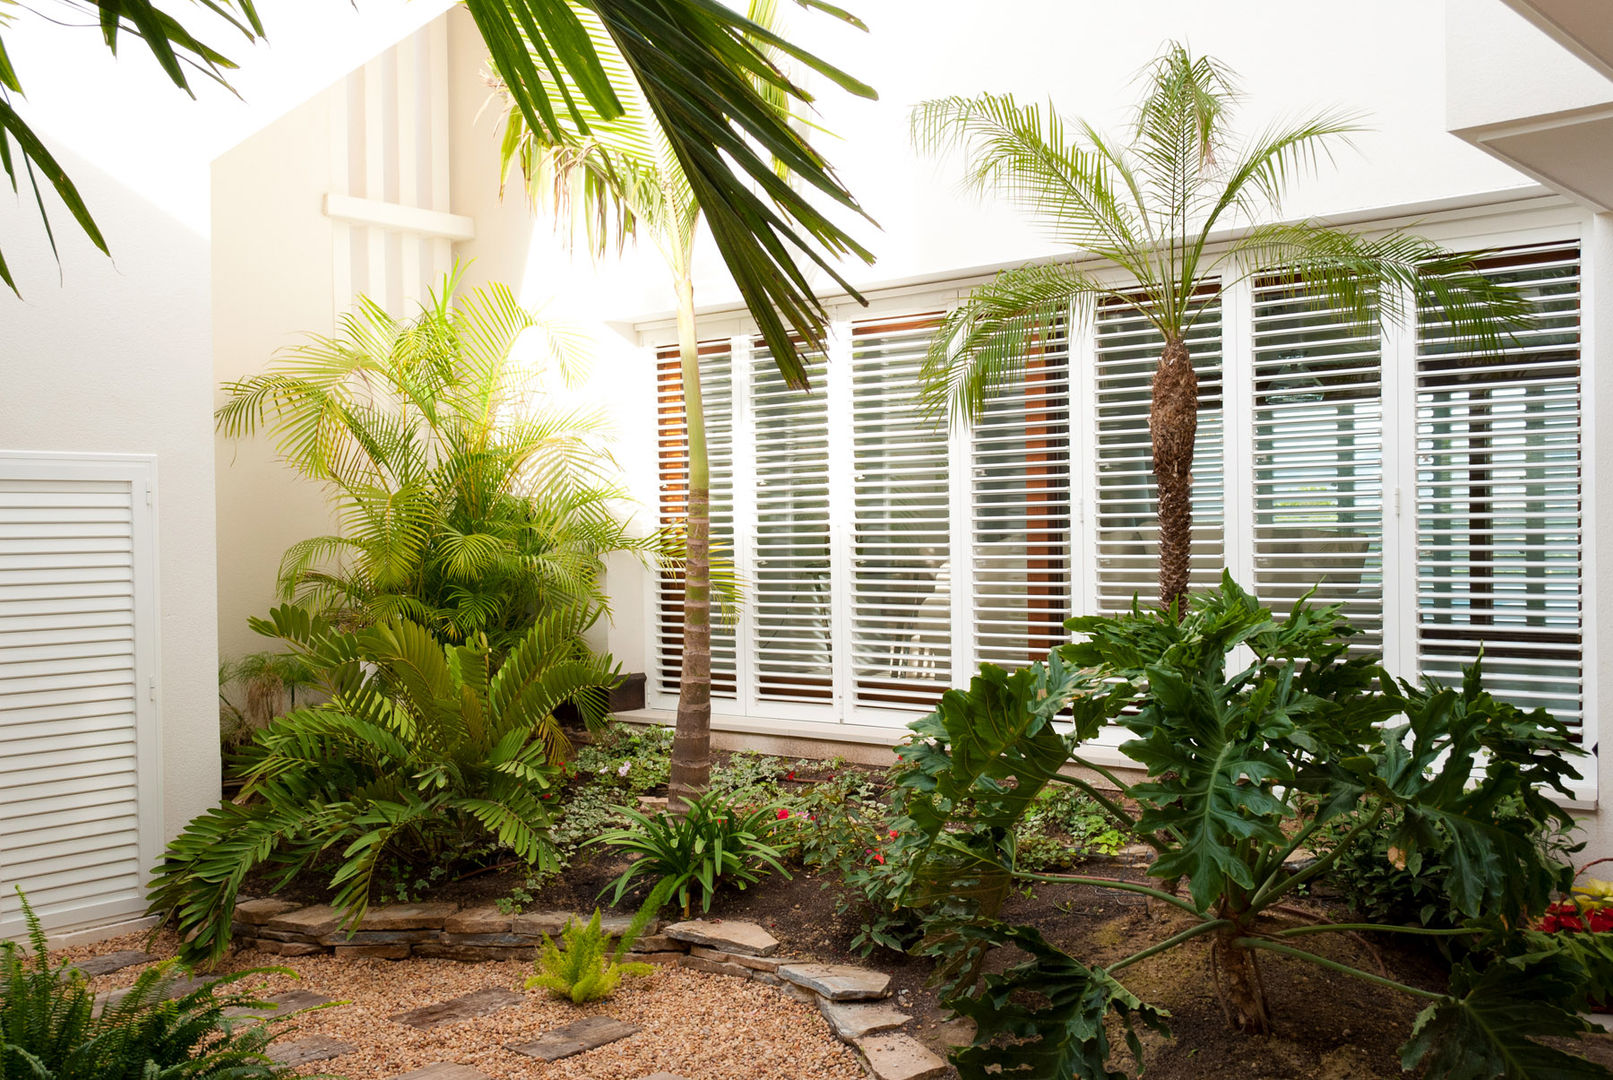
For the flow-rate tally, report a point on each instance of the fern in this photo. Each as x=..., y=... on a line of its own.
x=581, y=972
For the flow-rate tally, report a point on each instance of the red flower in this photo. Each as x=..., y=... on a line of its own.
x=893, y=834
x=783, y=813
x=880, y=859
x=791, y=775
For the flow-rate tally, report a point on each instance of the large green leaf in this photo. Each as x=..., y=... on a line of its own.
x=1488, y=1028
x=1045, y=1019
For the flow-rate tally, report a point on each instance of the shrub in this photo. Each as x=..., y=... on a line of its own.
x=1243, y=769
x=421, y=753
x=716, y=841
x=49, y=1030
x=582, y=972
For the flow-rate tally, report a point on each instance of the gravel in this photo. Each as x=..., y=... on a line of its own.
x=696, y=1024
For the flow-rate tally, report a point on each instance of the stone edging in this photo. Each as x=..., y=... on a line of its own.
x=851, y=998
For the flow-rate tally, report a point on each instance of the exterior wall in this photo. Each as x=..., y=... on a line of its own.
x=1501, y=68
x=100, y=360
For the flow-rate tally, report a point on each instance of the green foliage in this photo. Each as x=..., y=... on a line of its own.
x=49, y=1030
x=747, y=774
x=1062, y=827
x=420, y=752
x=582, y=971
x=716, y=841
x=636, y=759
x=1045, y=1017
x=269, y=681
x=468, y=503
x=1243, y=768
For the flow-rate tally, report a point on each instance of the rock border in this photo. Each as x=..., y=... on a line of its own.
x=740, y=950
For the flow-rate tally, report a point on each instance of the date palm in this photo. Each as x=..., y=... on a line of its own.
x=610, y=180
x=1182, y=209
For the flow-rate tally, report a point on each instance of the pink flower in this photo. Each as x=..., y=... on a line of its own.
x=783, y=813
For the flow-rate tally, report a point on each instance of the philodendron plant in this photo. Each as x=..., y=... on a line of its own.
x=1242, y=770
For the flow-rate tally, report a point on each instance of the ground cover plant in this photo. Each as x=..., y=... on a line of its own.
x=422, y=753
x=1244, y=767
x=50, y=1030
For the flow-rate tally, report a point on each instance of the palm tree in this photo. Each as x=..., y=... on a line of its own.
x=466, y=504
x=705, y=73
x=1181, y=208
x=610, y=179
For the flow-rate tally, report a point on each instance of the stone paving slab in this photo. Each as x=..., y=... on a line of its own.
x=853, y=1019
x=444, y=1070
x=586, y=1034
x=408, y=917
x=312, y=1048
x=258, y=912
x=838, y=982
x=176, y=988
x=309, y=921
x=117, y=961
x=454, y=1010
x=754, y=963
x=281, y=1004
x=725, y=936
x=900, y=1057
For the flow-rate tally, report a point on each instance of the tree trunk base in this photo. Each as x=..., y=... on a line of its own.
x=1238, y=985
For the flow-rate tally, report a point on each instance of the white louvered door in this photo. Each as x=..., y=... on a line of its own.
x=79, y=811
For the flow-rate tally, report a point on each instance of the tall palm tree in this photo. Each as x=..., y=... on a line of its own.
x=706, y=73
x=1183, y=209
x=608, y=180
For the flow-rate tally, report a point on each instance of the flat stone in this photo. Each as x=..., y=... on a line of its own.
x=479, y=920
x=117, y=961
x=311, y=921
x=616, y=925
x=174, y=988
x=408, y=917
x=380, y=937
x=456, y=1009
x=586, y=1034
x=958, y=1032
x=444, y=1070
x=258, y=912
x=713, y=967
x=263, y=933
x=281, y=1005
x=755, y=963
x=838, y=982
x=476, y=953
x=501, y=941
x=852, y=1020
x=534, y=923
x=654, y=957
x=285, y=948
x=312, y=1048
x=900, y=1057
x=725, y=936
x=660, y=943
x=371, y=952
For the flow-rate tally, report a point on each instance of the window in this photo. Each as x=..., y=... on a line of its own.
x=889, y=556
x=1498, y=495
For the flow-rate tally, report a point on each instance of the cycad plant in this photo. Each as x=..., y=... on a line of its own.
x=1182, y=209
x=421, y=752
x=609, y=180
x=466, y=502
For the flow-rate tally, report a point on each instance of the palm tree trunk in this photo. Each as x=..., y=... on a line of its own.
x=691, y=742
x=1173, y=421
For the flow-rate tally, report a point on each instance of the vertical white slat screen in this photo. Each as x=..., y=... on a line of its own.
x=70, y=700
x=1499, y=527
x=717, y=398
x=1127, y=529
x=902, y=559
x=1318, y=458
x=1020, y=509
x=791, y=587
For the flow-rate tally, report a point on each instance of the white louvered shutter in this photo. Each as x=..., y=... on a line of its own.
x=1020, y=510
x=717, y=398
x=902, y=571
x=1127, y=528
x=792, y=590
x=1318, y=458
x=77, y=815
x=1499, y=529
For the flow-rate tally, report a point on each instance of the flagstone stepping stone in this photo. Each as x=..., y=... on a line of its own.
x=900, y=1057
x=838, y=982
x=258, y=912
x=725, y=936
x=852, y=1019
x=117, y=961
x=313, y=1048
x=285, y=1004
x=444, y=1070
x=176, y=988
x=456, y=1009
x=586, y=1034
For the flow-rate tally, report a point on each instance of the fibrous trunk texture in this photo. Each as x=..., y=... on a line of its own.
x=691, y=741
x=1237, y=978
x=1173, y=422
